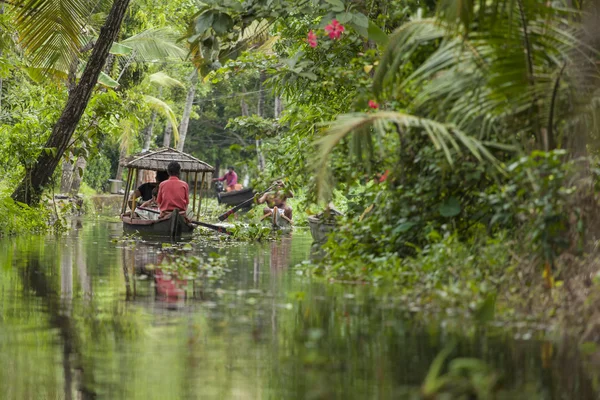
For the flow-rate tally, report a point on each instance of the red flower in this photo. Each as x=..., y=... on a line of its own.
x=312, y=39
x=373, y=104
x=335, y=29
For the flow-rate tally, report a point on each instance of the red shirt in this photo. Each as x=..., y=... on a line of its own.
x=230, y=178
x=173, y=193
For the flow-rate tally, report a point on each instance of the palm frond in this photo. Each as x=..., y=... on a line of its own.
x=51, y=31
x=167, y=111
x=155, y=44
x=444, y=137
x=163, y=80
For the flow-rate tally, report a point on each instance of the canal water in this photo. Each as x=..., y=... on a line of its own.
x=80, y=319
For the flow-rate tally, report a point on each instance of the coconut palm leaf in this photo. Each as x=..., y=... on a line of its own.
x=444, y=138
x=155, y=44
x=503, y=69
x=51, y=31
x=164, y=80
x=167, y=111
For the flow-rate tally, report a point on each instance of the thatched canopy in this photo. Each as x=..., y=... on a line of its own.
x=157, y=160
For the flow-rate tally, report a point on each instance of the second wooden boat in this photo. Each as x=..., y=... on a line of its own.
x=236, y=197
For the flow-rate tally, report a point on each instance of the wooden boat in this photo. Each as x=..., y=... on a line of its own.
x=174, y=226
x=278, y=221
x=321, y=225
x=158, y=160
x=236, y=197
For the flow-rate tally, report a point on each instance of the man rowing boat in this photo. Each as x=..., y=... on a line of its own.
x=276, y=200
x=231, y=180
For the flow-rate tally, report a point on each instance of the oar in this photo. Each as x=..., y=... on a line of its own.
x=224, y=216
x=217, y=228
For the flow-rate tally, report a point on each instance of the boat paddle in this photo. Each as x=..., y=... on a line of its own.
x=220, y=229
x=226, y=214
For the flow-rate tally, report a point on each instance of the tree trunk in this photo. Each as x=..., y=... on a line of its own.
x=260, y=107
x=67, y=176
x=30, y=189
x=278, y=107
x=78, y=174
x=122, y=155
x=259, y=111
x=150, y=128
x=167, y=134
x=243, y=104
x=187, y=111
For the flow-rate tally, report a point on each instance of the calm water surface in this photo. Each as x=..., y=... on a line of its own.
x=79, y=320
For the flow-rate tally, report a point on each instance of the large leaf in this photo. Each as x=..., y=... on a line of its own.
x=167, y=111
x=444, y=138
x=119, y=49
x=155, y=44
x=107, y=81
x=51, y=31
x=164, y=80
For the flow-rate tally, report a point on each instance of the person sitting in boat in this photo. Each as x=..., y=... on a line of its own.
x=151, y=204
x=231, y=179
x=277, y=200
x=173, y=193
x=144, y=191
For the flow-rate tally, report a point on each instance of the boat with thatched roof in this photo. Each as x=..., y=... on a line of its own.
x=192, y=169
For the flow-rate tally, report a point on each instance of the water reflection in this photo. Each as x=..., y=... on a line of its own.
x=80, y=318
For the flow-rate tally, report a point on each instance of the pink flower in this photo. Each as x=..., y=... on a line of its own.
x=312, y=39
x=373, y=104
x=335, y=29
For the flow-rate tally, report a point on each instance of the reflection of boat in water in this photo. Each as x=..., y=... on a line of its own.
x=236, y=197
x=174, y=226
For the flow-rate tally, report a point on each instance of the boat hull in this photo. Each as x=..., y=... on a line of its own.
x=173, y=226
x=236, y=197
x=320, y=229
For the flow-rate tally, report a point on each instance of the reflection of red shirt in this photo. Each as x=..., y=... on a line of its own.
x=230, y=178
x=173, y=193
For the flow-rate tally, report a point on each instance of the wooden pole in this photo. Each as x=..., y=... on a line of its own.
x=200, y=198
x=124, y=205
x=137, y=172
x=195, y=190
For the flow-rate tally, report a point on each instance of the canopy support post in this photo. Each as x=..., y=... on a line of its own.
x=124, y=205
x=200, y=198
x=137, y=173
x=195, y=191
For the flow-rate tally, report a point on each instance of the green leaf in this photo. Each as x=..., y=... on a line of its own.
x=107, y=81
x=360, y=19
x=119, y=49
x=376, y=34
x=451, y=208
x=309, y=75
x=404, y=227
x=222, y=23
x=337, y=5
x=344, y=17
x=204, y=21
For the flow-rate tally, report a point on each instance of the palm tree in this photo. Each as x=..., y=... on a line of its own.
x=508, y=72
x=40, y=34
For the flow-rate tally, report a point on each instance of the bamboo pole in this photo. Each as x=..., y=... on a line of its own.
x=200, y=198
x=137, y=171
x=124, y=205
x=195, y=190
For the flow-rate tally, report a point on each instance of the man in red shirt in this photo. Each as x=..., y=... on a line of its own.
x=172, y=193
x=231, y=180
